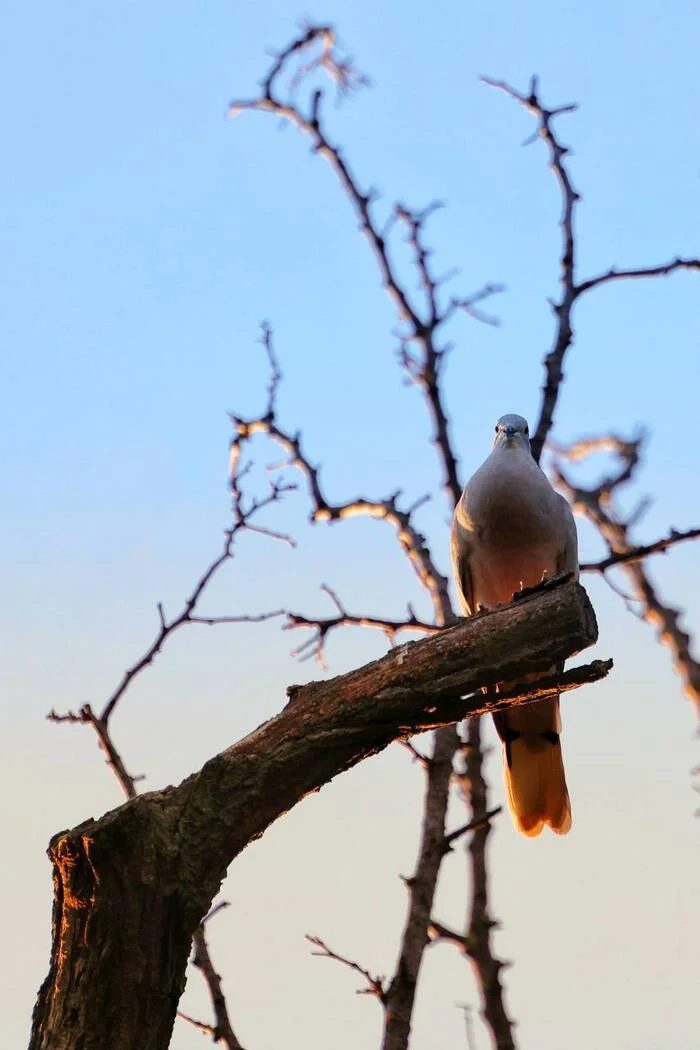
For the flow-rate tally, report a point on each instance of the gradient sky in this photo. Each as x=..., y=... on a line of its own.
x=144, y=240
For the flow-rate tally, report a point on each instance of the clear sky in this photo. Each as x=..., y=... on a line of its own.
x=144, y=238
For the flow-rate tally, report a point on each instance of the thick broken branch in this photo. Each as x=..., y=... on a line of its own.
x=135, y=884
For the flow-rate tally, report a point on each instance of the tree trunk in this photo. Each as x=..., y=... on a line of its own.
x=131, y=888
x=122, y=933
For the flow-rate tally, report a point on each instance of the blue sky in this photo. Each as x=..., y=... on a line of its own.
x=145, y=237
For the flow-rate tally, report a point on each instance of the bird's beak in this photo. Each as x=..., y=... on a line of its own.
x=511, y=431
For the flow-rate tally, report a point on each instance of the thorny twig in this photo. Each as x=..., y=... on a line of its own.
x=420, y=318
x=596, y=504
x=572, y=288
x=389, y=509
x=475, y=941
x=221, y=1031
x=374, y=985
x=244, y=512
x=479, y=923
x=314, y=645
x=640, y=553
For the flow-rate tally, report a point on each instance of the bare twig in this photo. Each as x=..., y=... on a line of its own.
x=571, y=287
x=417, y=755
x=419, y=320
x=636, y=554
x=202, y=1026
x=322, y=627
x=596, y=505
x=473, y=825
x=243, y=516
x=479, y=924
x=244, y=511
x=86, y=716
x=221, y=1031
x=613, y=274
x=557, y=154
x=374, y=985
x=412, y=541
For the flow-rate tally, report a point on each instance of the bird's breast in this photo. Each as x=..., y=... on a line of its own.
x=514, y=534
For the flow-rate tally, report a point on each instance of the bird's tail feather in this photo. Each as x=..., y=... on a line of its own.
x=536, y=784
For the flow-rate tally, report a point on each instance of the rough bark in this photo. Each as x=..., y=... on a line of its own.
x=131, y=887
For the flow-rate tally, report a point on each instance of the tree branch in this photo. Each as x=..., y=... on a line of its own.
x=563, y=337
x=639, y=553
x=595, y=504
x=221, y=1031
x=613, y=274
x=375, y=985
x=157, y=862
x=571, y=288
x=477, y=938
x=244, y=513
x=420, y=321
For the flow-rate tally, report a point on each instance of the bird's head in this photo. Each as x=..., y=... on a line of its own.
x=512, y=432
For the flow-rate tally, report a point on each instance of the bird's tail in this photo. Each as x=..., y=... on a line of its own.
x=534, y=769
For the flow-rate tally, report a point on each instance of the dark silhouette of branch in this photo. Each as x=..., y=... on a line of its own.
x=557, y=154
x=479, y=924
x=420, y=319
x=412, y=542
x=244, y=513
x=596, y=504
x=375, y=985
x=322, y=627
x=417, y=755
x=636, y=554
x=473, y=825
x=221, y=1031
x=572, y=288
x=613, y=274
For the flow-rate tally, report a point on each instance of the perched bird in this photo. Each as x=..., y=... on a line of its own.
x=510, y=530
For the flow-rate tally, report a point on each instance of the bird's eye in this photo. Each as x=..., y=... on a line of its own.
x=496, y=428
x=527, y=429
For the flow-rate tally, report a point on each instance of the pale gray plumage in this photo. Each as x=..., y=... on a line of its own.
x=511, y=529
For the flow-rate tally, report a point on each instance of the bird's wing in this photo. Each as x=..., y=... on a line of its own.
x=460, y=548
x=567, y=560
